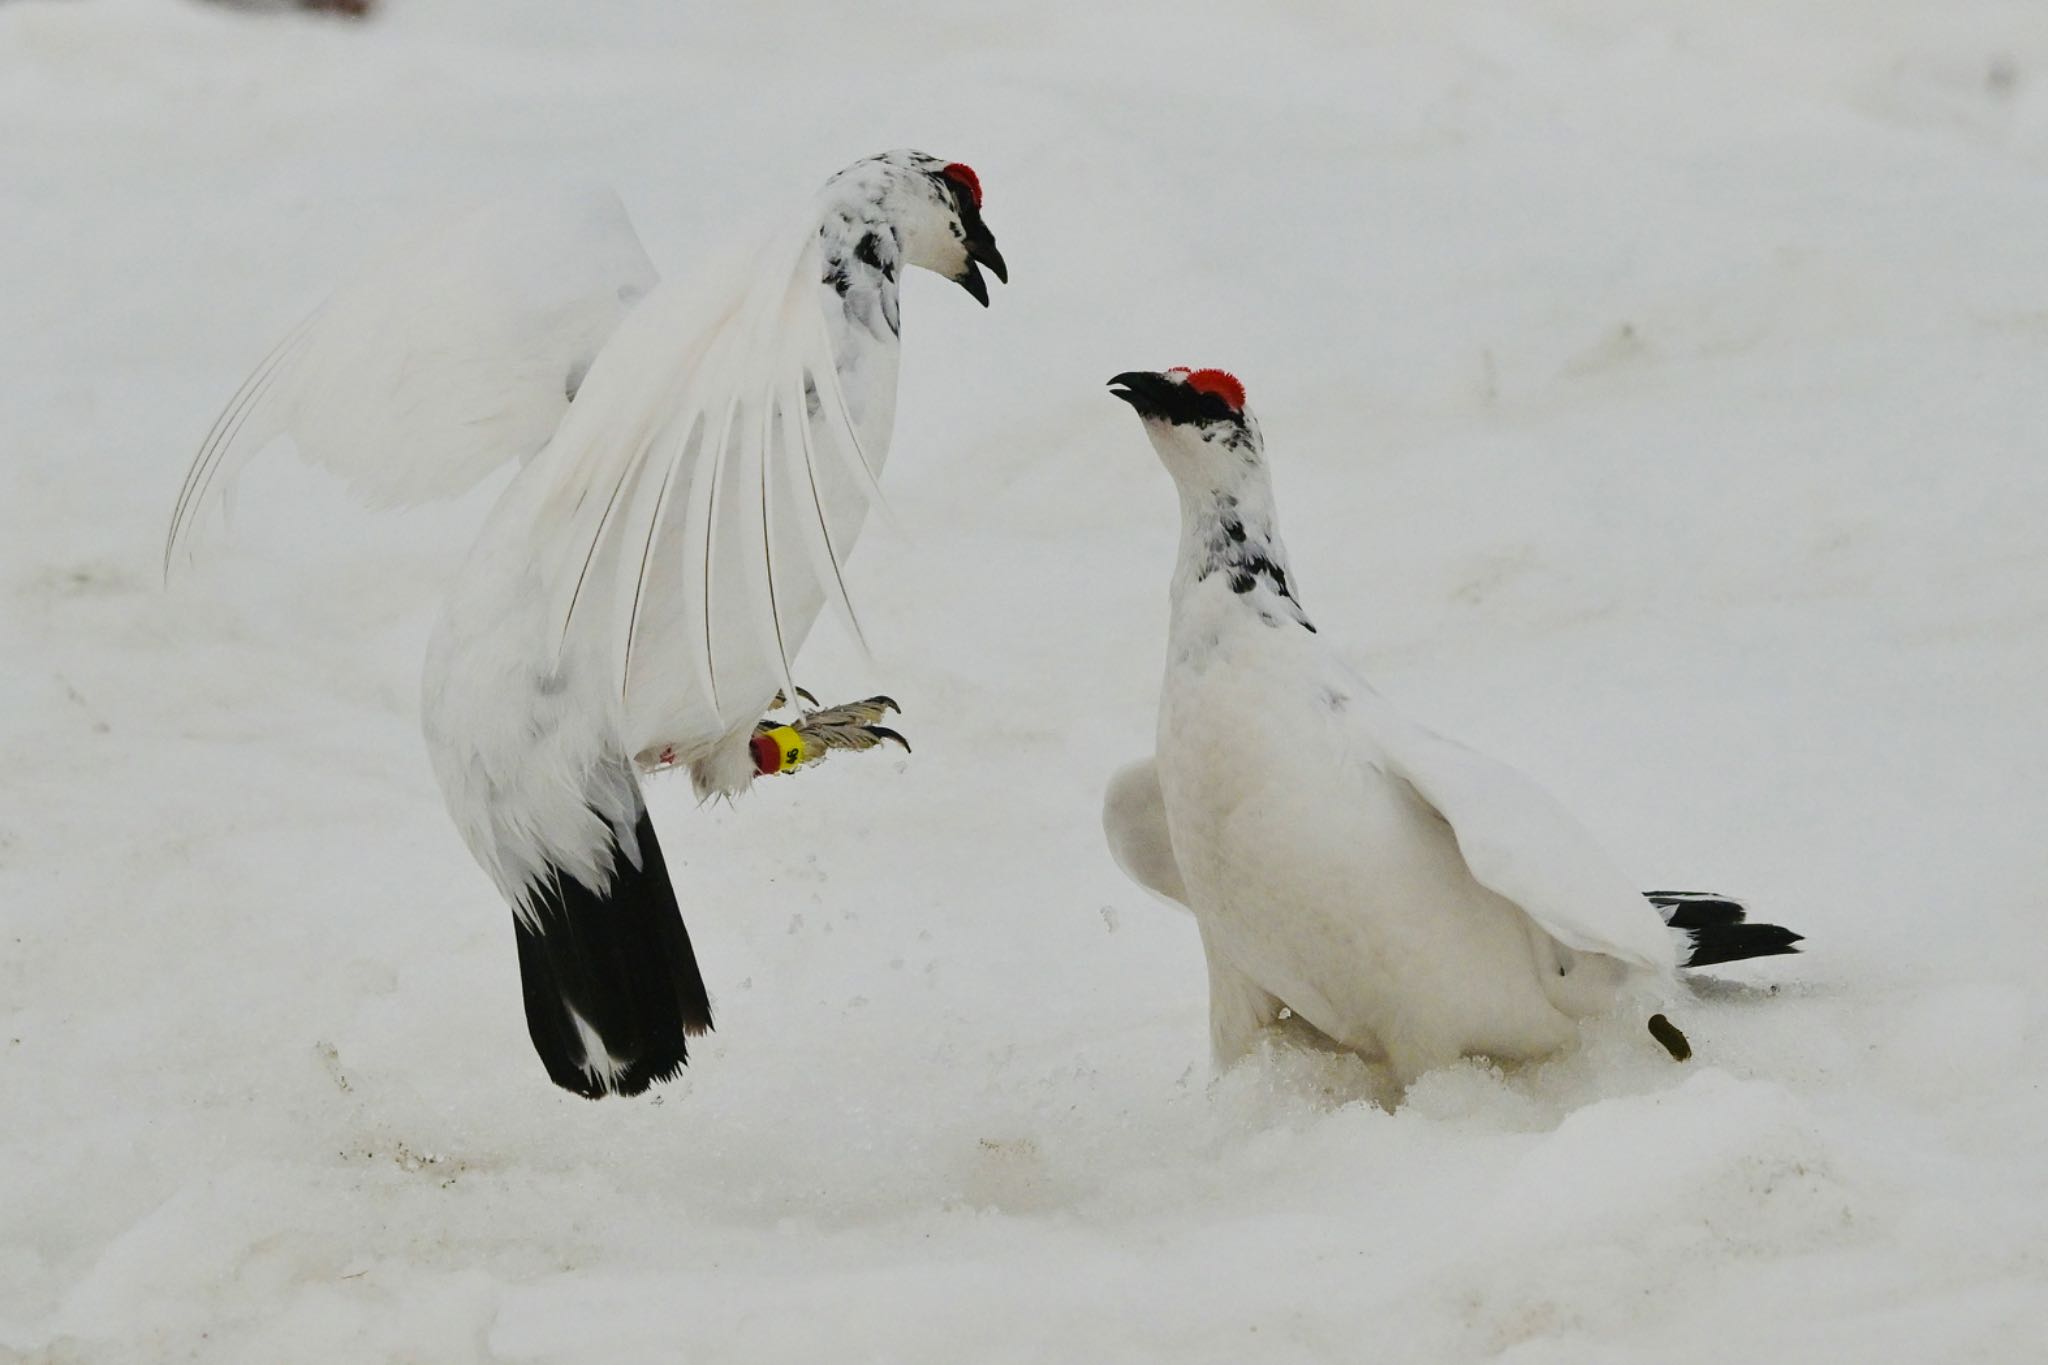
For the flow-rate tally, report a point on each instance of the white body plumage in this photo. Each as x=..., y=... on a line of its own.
x=698, y=458
x=1409, y=898
x=1323, y=879
x=534, y=723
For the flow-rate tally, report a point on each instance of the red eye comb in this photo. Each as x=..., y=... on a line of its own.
x=962, y=174
x=1221, y=383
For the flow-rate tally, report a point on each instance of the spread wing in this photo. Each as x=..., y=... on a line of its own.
x=451, y=357
x=1520, y=842
x=695, y=509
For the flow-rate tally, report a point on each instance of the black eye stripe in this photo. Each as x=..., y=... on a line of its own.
x=963, y=203
x=1181, y=404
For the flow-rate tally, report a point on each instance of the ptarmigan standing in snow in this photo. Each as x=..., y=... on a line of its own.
x=698, y=458
x=1409, y=898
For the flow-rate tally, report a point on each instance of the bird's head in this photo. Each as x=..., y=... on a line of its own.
x=935, y=208
x=1198, y=423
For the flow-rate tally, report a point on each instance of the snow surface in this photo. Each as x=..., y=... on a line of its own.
x=1656, y=395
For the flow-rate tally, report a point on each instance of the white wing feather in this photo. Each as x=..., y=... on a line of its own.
x=1520, y=842
x=688, y=520
x=451, y=357
x=686, y=517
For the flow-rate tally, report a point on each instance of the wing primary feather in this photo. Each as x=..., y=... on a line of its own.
x=846, y=434
x=631, y=467
x=204, y=489
x=707, y=481
x=711, y=552
x=209, y=449
x=770, y=409
x=220, y=438
x=699, y=421
x=218, y=455
x=240, y=411
x=837, y=578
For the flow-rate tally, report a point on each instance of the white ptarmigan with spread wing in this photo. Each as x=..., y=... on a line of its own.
x=698, y=458
x=1410, y=899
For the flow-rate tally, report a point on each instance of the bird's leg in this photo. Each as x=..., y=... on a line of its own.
x=1240, y=1010
x=783, y=747
x=857, y=725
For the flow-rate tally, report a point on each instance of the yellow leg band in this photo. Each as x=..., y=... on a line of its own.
x=780, y=750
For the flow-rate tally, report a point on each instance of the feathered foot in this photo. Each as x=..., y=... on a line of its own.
x=784, y=746
x=857, y=725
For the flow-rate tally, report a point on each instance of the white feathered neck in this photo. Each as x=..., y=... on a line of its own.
x=1230, y=533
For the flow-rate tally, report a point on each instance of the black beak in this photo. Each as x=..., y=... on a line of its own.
x=1144, y=390
x=970, y=279
x=981, y=247
x=1163, y=398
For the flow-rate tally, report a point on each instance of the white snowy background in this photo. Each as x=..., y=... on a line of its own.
x=1656, y=395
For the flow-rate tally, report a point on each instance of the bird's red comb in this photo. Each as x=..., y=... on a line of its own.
x=1222, y=383
x=962, y=174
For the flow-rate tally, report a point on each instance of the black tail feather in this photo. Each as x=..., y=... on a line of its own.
x=621, y=963
x=1695, y=909
x=1716, y=930
x=1733, y=942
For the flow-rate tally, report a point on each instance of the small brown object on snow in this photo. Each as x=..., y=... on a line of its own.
x=1666, y=1032
x=349, y=9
